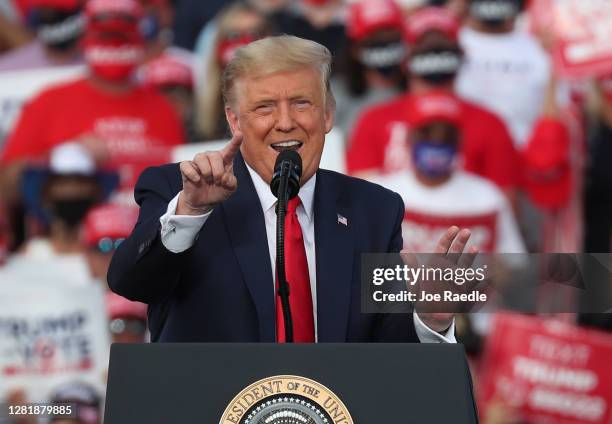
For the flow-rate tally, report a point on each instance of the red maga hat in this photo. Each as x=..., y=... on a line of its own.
x=119, y=16
x=167, y=70
x=367, y=16
x=130, y=8
x=431, y=19
x=111, y=221
x=423, y=109
x=546, y=163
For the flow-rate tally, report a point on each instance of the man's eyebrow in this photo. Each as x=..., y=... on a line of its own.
x=264, y=101
x=300, y=96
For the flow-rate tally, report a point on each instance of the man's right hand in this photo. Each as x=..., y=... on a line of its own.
x=208, y=179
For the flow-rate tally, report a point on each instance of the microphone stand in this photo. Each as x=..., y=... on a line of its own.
x=283, y=285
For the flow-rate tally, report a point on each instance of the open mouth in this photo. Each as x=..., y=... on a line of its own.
x=287, y=145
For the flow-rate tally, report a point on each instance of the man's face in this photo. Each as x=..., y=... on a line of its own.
x=281, y=111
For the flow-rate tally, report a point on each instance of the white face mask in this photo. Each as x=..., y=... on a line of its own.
x=113, y=62
x=494, y=11
x=383, y=56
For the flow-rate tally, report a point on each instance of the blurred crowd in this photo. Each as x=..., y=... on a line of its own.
x=455, y=104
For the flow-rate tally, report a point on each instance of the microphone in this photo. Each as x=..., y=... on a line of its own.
x=285, y=185
x=288, y=166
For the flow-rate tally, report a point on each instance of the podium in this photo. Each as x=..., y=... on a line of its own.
x=289, y=383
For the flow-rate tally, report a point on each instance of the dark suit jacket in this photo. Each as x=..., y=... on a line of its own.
x=221, y=289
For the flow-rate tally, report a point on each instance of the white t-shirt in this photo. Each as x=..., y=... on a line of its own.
x=508, y=74
x=39, y=263
x=466, y=200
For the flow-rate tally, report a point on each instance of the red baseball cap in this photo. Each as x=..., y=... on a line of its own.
x=167, y=70
x=56, y=4
x=110, y=220
x=430, y=19
x=113, y=15
x=423, y=109
x=368, y=16
x=119, y=307
x=120, y=7
x=547, y=166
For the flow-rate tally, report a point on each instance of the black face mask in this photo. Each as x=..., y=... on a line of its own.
x=436, y=66
x=59, y=30
x=386, y=58
x=71, y=211
x=494, y=13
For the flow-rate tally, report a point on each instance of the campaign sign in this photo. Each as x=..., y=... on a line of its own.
x=582, y=29
x=16, y=87
x=549, y=371
x=51, y=334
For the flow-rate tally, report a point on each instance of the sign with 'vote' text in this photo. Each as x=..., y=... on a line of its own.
x=548, y=371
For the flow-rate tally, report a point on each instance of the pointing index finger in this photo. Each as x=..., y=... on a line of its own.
x=231, y=148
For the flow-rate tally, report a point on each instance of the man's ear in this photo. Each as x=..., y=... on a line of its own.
x=330, y=115
x=232, y=119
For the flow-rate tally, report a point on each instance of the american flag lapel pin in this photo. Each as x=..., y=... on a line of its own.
x=342, y=220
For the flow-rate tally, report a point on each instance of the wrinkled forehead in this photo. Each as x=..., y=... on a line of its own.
x=253, y=87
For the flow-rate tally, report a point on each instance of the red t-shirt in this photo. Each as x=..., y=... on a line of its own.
x=379, y=143
x=138, y=127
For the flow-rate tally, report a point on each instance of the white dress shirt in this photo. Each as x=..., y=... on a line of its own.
x=178, y=233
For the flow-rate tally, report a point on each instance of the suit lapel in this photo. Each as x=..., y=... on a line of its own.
x=334, y=253
x=247, y=229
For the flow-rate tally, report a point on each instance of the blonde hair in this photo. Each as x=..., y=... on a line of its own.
x=278, y=54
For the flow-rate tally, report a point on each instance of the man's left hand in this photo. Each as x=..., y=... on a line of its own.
x=449, y=252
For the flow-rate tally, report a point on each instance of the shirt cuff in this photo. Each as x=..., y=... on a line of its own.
x=427, y=335
x=178, y=232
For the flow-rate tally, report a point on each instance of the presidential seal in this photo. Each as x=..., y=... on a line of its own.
x=286, y=399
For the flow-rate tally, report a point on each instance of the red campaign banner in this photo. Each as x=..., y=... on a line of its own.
x=582, y=29
x=421, y=231
x=549, y=371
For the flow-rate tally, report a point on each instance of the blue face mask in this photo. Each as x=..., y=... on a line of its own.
x=150, y=27
x=433, y=159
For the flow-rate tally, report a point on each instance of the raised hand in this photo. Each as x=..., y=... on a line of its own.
x=208, y=179
x=449, y=252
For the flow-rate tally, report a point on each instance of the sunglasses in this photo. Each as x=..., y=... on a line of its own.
x=133, y=326
x=107, y=244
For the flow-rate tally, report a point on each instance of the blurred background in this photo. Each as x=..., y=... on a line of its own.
x=490, y=114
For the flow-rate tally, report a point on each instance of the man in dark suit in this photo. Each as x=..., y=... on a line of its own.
x=202, y=253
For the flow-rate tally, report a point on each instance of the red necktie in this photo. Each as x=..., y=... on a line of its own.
x=296, y=269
